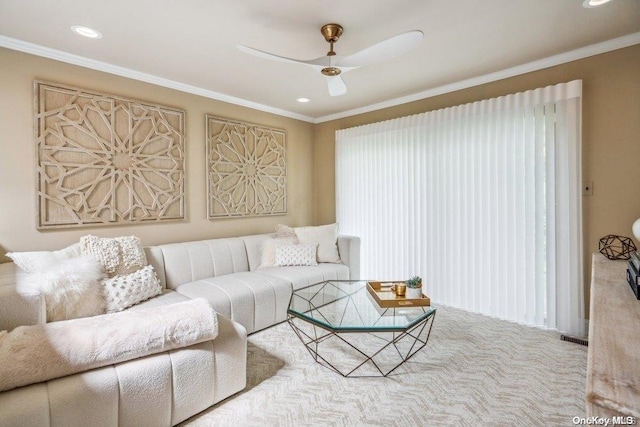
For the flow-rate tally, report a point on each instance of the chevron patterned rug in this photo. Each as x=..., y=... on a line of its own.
x=475, y=370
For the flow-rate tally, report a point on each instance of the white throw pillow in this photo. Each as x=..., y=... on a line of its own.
x=71, y=288
x=269, y=249
x=118, y=255
x=41, y=261
x=125, y=290
x=326, y=236
x=287, y=255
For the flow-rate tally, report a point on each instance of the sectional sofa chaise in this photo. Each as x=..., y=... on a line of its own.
x=171, y=383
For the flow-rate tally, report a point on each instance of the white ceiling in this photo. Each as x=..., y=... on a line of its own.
x=191, y=44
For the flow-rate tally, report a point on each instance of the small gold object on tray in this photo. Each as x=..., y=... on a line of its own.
x=386, y=297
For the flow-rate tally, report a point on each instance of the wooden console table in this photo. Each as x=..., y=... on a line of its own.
x=613, y=363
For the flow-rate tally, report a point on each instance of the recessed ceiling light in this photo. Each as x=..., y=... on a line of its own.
x=594, y=3
x=86, y=32
x=303, y=100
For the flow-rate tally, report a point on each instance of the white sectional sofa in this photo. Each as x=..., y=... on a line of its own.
x=226, y=272
x=167, y=388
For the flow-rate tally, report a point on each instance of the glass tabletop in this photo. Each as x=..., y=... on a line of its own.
x=347, y=306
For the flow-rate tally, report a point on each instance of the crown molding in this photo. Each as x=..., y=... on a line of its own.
x=573, y=55
x=93, y=64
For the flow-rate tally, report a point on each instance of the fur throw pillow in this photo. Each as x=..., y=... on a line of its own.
x=71, y=288
x=40, y=261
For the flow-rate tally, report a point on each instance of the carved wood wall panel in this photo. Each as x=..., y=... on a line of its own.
x=106, y=160
x=246, y=169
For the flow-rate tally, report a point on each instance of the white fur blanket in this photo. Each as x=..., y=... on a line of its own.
x=32, y=354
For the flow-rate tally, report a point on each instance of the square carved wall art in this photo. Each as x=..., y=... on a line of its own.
x=246, y=169
x=106, y=160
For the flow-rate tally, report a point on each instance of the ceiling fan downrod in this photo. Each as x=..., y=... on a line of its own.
x=331, y=33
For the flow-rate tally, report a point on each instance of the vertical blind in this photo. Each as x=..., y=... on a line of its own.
x=482, y=200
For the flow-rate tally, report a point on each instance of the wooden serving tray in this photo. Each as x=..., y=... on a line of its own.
x=386, y=298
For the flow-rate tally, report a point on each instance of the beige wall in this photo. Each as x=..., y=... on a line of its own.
x=610, y=139
x=17, y=158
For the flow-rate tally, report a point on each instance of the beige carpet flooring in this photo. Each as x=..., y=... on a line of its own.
x=474, y=371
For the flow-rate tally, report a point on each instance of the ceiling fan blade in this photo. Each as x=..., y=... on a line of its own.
x=336, y=85
x=387, y=49
x=319, y=63
x=265, y=55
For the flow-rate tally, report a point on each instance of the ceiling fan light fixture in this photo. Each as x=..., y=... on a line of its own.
x=86, y=32
x=594, y=3
x=331, y=71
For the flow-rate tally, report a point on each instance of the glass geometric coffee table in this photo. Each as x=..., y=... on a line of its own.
x=345, y=330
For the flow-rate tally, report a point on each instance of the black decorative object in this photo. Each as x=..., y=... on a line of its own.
x=633, y=278
x=616, y=247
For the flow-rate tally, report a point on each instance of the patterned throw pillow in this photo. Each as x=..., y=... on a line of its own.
x=289, y=255
x=123, y=291
x=285, y=231
x=118, y=255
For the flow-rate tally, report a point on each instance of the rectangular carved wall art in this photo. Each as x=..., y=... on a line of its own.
x=246, y=169
x=106, y=160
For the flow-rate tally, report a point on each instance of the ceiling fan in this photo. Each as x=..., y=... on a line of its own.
x=332, y=66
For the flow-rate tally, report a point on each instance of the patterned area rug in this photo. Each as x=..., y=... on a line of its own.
x=475, y=370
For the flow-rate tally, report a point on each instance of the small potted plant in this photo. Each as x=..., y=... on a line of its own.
x=414, y=288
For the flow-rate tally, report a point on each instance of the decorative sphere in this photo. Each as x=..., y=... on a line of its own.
x=616, y=247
